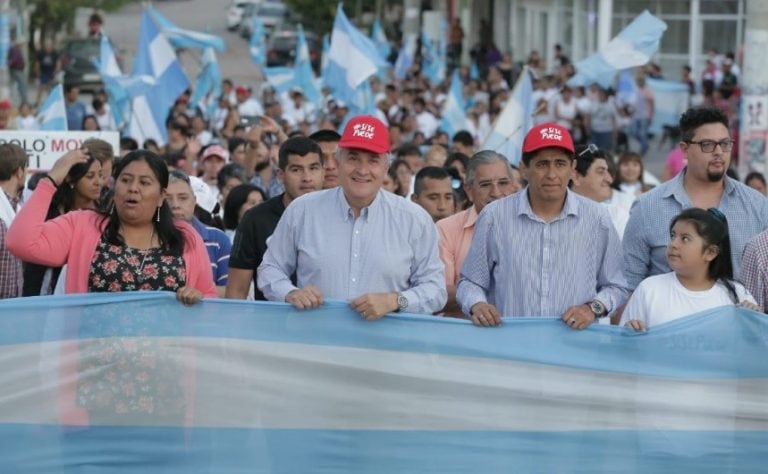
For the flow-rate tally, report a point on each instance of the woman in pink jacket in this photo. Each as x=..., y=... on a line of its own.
x=136, y=246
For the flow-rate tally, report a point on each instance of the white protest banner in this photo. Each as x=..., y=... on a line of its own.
x=45, y=147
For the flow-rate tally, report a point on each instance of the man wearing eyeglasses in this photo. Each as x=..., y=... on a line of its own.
x=489, y=177
x=707, y=145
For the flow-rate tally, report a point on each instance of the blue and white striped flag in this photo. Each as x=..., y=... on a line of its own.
x=324, y=59
x=282, y=78
x=181, y=38
x=208, y=86
x=305, y=75
x=380, y=39
x=136, y=383
x=352, y=58
x=53, y=113
x=258, y=43
x=406, y=56
x=155, y=58
x=454, y=118
x=514, y=122
x=671, y=99
x=632, y=47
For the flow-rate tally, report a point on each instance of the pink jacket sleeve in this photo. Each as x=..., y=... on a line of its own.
x=32, y=238
x=199, y=275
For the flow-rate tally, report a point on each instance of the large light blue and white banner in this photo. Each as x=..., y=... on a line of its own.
x=137, y=383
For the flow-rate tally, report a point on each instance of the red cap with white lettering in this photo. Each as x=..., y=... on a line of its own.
x=365, y=132
x=548, y=135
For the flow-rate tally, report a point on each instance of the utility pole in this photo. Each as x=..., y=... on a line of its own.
x=411, y=17
x=753, y=148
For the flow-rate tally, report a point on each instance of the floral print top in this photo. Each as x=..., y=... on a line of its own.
x=122, y=268
x=138, y=375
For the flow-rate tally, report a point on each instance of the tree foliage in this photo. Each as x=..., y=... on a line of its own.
x=318, y=15
x=51, y=16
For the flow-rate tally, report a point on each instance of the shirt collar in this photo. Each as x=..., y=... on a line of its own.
x=571, y=207
x=346, y=210
x=13, y=201
x=471, y=217
x=677, y=188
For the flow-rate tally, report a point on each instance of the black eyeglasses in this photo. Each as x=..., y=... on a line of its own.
x=708, y=146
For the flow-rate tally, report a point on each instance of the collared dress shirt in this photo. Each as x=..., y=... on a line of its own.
x=455, y=238
x=218, y=246
x=754, y=269
x=647, y=233
x=528, y=267
x=391, y=247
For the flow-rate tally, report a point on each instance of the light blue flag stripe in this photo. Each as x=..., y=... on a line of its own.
x=208, y=86
x=182, y=38
x=514, y=122
x=257, y=44
x=352, y=59
x=53, y=114
x=264, y=388
x=633, y=46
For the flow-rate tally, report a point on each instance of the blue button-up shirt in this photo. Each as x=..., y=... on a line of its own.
x=391, y=247
x=528, y=267
x=647, y=232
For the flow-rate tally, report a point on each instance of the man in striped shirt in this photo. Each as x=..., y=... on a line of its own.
x=181, y=199
x=544, y=251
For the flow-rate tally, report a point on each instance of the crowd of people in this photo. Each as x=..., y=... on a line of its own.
x=270, y=196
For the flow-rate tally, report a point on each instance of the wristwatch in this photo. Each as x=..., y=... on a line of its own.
x=402, y=302
x=598, y=308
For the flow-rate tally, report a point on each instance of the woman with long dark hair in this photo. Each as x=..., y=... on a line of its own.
x=135, y=245
x=81, y=189
x=239, y=200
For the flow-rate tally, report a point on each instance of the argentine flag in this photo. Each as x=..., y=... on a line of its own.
x=405, y=57
x=632, y=47
x=454, y=119
x=155, y=58
x=208, y=86
x=352, y=58
x=513, y=123
x=53, y=113
x=258, y=43
x=305, y=75
x=181, y=38
x=137, y=383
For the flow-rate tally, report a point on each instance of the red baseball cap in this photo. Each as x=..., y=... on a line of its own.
x=367, y=133
x=548, y=135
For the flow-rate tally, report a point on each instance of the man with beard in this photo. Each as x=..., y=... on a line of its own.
x=707, y=144
x=300, y=168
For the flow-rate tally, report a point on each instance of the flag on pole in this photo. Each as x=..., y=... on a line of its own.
x=208, y=86
x=305, y=75
x=405, y=56
x=181, y=38
x=513, y=123
x=432, y=60
x=632, y=47
x=352, y=58
x=53, y=113
x=454, y=119
x=155, y=58
x=380, y=39
x=258, y=43
x=282, y=78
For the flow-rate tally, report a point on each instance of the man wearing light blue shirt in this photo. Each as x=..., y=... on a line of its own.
x=544, y=251
x=703, y=183
x=356, y=242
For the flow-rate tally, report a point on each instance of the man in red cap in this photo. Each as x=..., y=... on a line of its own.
x=545, y=251
x=356, y=242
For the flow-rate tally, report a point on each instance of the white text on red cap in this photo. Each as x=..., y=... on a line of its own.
x=551, y=133
x=363, y=130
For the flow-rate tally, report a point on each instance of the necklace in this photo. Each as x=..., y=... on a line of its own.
x=145, y=252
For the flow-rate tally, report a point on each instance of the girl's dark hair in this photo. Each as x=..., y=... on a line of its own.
x=90, y=116
x=454, y=157
x=235, y=200
x=393, y=174
x=230, y=170
x=171, y=238
x=64, y=198
x=755, y=175
x=712, y=226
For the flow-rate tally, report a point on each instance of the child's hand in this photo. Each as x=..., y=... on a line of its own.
x=636, y=324
x=751, y=305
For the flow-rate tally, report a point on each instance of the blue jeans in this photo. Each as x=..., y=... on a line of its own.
x=639, y=130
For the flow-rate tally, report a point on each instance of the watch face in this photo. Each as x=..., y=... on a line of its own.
x=402, y=302
x=597, y=308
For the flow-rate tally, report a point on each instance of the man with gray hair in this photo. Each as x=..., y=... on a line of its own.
x=356, y=242
x=489, y=177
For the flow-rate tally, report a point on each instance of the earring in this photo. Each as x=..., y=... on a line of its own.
x=158, y=213
x=112, y=208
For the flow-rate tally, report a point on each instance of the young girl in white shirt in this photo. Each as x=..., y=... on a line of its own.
x=699, y=253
